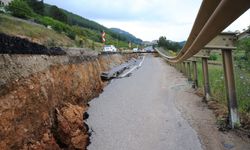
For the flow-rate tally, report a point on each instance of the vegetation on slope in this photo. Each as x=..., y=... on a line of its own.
x=242, y=79
x=32, y=31
x=128, y=36
x=169, y=45
x=83, y=32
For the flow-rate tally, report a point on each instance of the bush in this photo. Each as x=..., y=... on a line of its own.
x=244, y=45
x=58, y=14
x=56, y=25
x=213, y=57
x=20, y=8
x=71, y=34
x=36, y=5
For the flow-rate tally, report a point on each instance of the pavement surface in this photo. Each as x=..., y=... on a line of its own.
x=139, y=112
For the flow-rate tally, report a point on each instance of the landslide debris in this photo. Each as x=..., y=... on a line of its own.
x=44, y=107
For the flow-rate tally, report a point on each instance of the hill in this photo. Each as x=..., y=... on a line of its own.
x=81, y=32
x=32, y=31
x=114, y=33
x=127, y=35
x=74, y=19
x=182, y=43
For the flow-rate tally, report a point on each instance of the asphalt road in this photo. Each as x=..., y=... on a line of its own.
x=139, y=113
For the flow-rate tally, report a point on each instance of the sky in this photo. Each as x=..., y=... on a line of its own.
x=146, y=19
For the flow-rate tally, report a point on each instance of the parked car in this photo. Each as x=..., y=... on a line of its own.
x=109, y=48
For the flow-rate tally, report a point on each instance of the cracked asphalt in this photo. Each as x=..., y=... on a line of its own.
x=139, y=112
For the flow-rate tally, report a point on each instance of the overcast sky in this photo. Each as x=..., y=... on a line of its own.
x=146, y=19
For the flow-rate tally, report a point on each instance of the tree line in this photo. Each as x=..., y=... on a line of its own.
x=168, y=45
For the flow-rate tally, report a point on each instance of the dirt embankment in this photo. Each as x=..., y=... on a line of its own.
x=43, y=99
x=16, y=45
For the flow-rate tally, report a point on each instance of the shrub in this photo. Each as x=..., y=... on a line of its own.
x=71, y=34
x=56, y=25
x=36, y=5
x=244, y=45
x=58, y=14
x=20, y=8
x=213, y=57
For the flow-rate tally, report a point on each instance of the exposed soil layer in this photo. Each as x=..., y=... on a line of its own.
x=43, y=104
x=17, y=45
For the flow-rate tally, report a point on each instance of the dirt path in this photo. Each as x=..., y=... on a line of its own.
x=203, y=120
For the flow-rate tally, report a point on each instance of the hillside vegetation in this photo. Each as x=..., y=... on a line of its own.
x=129, y=37
x=32, y=31
x=170, y=45
x=75, y=30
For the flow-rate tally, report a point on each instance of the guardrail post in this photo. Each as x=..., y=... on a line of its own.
x=195, y=80
x=230, y=87
x=178, y=67
x=205, y=78
x=184, y=69
x=189, y=71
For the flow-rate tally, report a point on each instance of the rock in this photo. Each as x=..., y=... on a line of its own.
x=71, y=131
x=80, y=141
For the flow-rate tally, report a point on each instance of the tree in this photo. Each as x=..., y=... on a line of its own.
x=58, y=14
x=37, y=6
x=167, y=44
x=20, y=8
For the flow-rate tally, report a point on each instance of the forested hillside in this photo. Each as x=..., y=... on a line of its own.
x=127, y=35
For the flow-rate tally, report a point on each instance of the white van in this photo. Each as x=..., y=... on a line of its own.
x=109, y=48
x=135, y=49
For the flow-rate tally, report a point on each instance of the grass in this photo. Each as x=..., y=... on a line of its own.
x=217, y=85
x=40, y=34
x=32, y=31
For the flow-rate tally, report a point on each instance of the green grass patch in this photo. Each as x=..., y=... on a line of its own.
x=217, y=85
x=32, y=31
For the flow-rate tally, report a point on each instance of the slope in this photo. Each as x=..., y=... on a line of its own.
x=127, y=35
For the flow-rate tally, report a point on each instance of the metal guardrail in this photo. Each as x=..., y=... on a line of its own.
x=213, y=17
x=139, y=52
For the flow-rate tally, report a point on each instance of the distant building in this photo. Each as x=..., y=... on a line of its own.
x=245, y=34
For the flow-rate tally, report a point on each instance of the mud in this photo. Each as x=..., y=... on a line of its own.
x=43, y=99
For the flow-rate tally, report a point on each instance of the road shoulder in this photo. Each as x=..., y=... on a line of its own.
x=203, y=121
